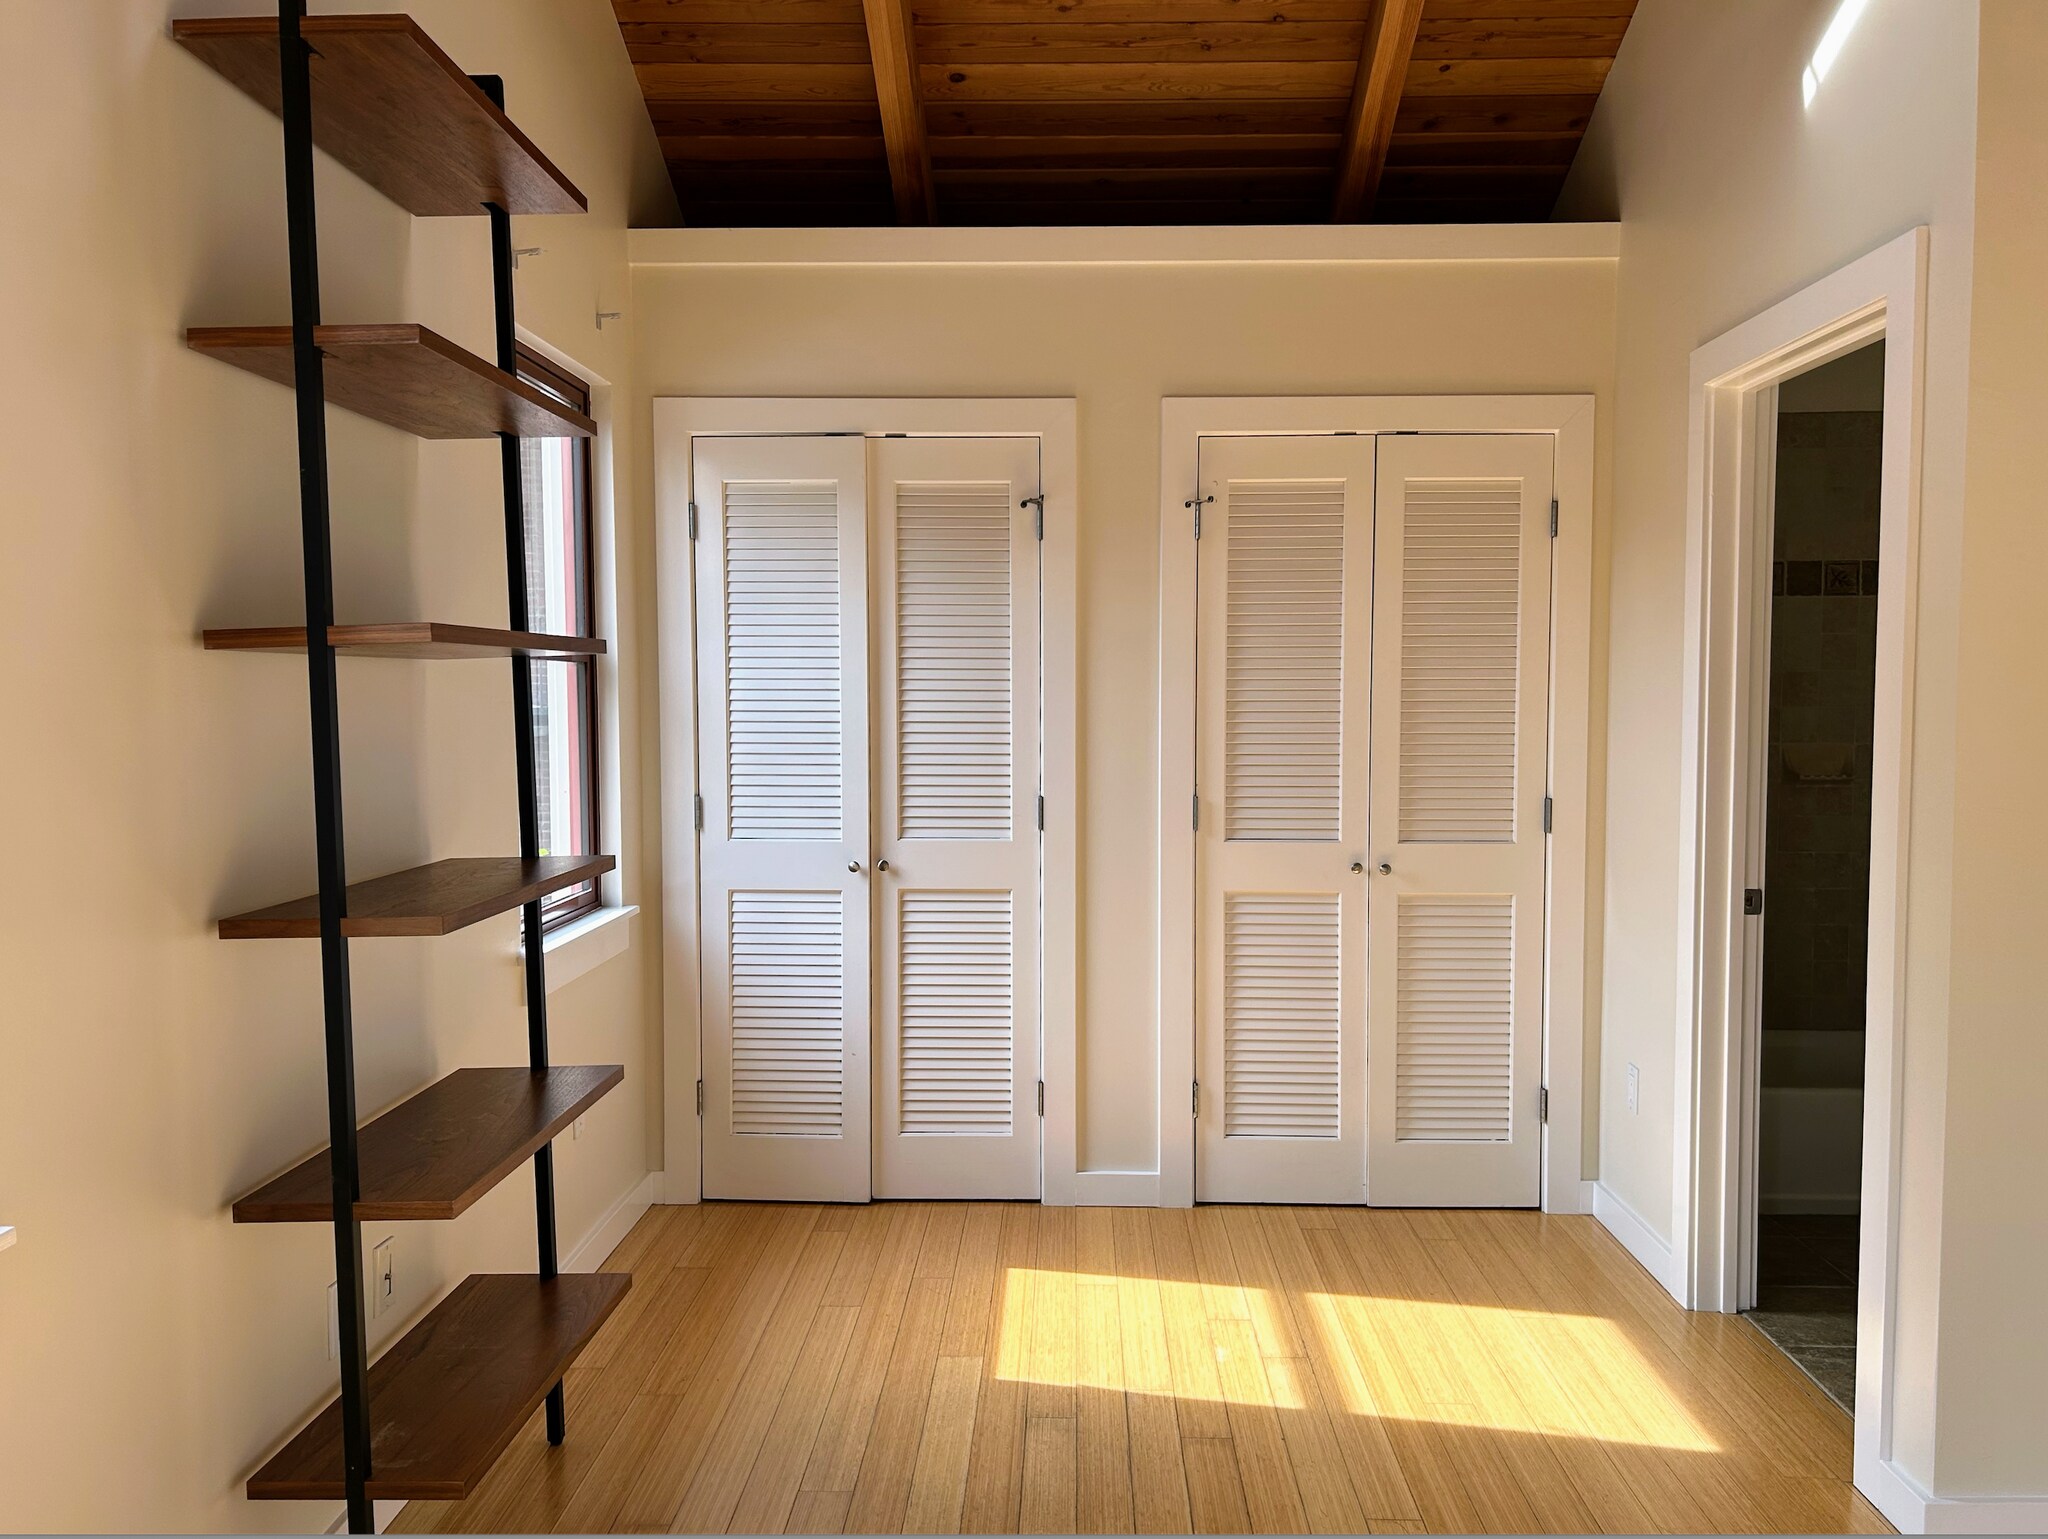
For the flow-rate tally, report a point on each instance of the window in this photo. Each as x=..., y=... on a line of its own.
x=555, y=473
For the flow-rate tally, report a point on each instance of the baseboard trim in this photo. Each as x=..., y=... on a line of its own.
x=1649, y=1248
x=603, y=1238
x=1911, y=1510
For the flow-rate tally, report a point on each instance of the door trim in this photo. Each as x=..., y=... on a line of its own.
x=678, y=419
x=1731, y=403
x=1184, y=421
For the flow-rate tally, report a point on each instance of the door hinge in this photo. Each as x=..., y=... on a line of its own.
x=1195, y=1098
x=1752, y=900
x=700, y=1098
x=1195, y=813
x=1196, y=504
x=698, y=800
x=1553, y=518
x=1543, y=1104
x=693, y=520
x=1041, y=1098
x=1548, y=807
x=1041, y=814
x=1037, y=505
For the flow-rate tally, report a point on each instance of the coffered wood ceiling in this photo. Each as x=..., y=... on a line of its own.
x=1063, y=112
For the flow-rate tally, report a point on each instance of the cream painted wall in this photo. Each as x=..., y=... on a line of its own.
x=1733, y=193
x=1992, y=1379
x=151, y=1352
x=1119, y=338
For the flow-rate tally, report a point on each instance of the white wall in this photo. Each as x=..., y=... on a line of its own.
x=1732, y=193
x=1118, y=336
x=151, y=1352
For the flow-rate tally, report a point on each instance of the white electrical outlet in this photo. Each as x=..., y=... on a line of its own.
x=383, y=1282
x=333, y=1322
x=1635, y=1089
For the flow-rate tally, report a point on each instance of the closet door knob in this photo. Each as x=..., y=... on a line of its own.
x=1386, y=869
x=881, y=865
x=853, y=866
x=1358, y=868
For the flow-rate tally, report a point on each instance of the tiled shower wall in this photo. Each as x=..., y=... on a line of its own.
x=1823, y=647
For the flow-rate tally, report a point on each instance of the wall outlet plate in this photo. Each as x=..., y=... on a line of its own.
x=383, y=1278
x=1635, y=1089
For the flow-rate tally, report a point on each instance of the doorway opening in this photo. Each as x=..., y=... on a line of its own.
x=1816, y=785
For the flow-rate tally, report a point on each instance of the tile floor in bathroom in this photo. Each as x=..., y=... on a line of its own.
x=1806, y=1296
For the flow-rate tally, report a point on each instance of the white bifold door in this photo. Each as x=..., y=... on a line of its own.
x=1284, y=591
x=868, y=752
x=1371, y=731
x=1460, y=727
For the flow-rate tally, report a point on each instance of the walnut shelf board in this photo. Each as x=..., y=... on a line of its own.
x=435, y=899
x=447, y=1399
x=433, y=1156
x=394, y=109
x=411, y=638
x=405, y=376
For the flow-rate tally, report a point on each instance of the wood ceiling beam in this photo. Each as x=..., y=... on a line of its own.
x=892, y=47
x=1369, y=128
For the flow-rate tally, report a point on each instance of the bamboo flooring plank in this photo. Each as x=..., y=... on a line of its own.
x=735, y=1443
x=865, y=1230
x=1049, y=1476
x=995, y=1470
x=1329, y=1503
x=774, y=1482
x=787, y=1261
x=734, y=1251
x=849, y=1415
x=818, y=1512
x=1102, y=1499
x=1159, y=1487
x=1215, y=1492
x=935, y=1257
x=1052, y=1318
x=974, y=1282
x=1272, y=1499
x=1368, y=1456
x=1265, y=1297
x=1427, y=1464
x=1198, y=1397
x=883, y=1489
x=938, y=1484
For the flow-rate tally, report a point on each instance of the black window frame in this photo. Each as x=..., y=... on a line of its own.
x=566, y=907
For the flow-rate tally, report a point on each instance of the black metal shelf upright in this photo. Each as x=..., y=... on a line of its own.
x=556, y=1317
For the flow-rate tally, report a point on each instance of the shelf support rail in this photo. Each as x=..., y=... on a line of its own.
x=503, y=260
x=315, y=533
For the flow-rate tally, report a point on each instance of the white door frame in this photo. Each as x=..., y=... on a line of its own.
x=1184, y=421
x=676, y=421
x=1728, y=511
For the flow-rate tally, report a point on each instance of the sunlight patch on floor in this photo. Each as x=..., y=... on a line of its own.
x=1474, y=1349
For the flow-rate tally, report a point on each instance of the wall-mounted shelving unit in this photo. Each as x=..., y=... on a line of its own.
x=427, y=1419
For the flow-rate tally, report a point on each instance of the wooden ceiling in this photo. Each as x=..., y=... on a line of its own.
x=1066, y=112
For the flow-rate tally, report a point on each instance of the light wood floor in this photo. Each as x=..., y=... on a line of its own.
x=940, y=1367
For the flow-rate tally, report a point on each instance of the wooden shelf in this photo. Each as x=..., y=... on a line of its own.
x=433, y=1156
x=394, y=109
x=457, y=1387
x=427, y=900
x=410, y=638
x=405, y=376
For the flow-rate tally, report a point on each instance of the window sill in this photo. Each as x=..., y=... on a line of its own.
x=577, y=948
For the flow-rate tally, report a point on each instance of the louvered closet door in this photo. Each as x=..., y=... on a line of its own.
x=956, y=610
x=783, y=761
x=1461, y=624
x=1282, y=714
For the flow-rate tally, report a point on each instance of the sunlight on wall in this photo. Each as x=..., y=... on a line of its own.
x=1845, y=18
x=1457, y=1365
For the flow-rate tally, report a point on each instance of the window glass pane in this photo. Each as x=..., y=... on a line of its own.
x=555, y=473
